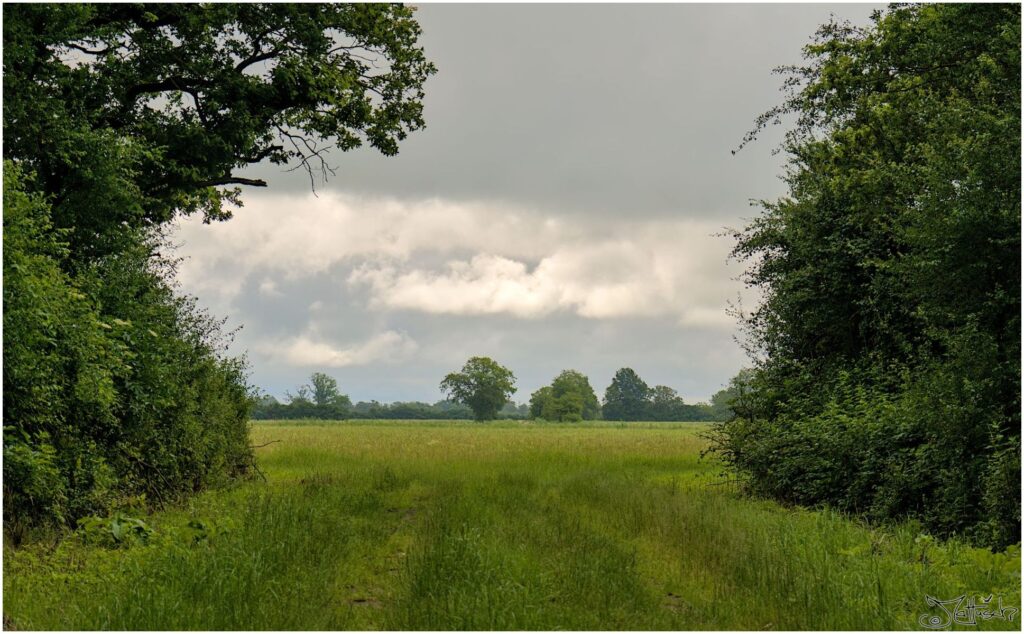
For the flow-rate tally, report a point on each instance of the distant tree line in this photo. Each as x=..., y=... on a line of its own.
x=483, y=384
x=630, y=398
x=482, y=389
x=570, y=398
x=321, y=399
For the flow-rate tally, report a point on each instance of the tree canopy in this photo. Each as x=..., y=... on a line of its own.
x=483, y=384
x=150, y=110
x=569, y=398
x=626, y=397
x=629, y=398
x=324, y=390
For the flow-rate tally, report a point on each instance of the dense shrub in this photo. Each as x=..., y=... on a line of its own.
x=888, y=338
x=113, y=386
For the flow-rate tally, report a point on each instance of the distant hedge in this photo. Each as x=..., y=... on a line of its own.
x=269, y=408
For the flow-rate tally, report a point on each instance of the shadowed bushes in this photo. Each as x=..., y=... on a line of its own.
x=115, y=389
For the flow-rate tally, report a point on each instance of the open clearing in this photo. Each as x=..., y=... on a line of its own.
x=456, y=525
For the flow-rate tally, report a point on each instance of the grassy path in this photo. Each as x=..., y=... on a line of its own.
x=463, y=526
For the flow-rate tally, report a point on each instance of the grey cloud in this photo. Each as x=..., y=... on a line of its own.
x=601, y=109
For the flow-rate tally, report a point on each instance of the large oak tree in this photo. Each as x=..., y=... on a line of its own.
x=129, y=114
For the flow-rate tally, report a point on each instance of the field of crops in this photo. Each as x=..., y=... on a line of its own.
x=460, y=525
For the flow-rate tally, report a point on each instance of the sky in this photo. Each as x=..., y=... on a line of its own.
x=566, y=207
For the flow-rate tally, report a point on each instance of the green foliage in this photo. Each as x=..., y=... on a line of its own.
x=630, y=398
x=324, y=390
x=33, y=486
x=319, y=398
x=118, y=118
x=571, y=391
x=540, y=400
x=626, y=397
x=666, y=404
x=569, y=398
x=164, y=102
x=114, y=532
x=726, y=402
x=483, y=385
x=889, y=332
x=441, y=410
x=268, y=408
x=567, y=407
x=113, y=385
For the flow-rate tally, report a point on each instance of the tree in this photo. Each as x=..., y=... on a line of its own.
x=324, y=391
x=571, y=382
x=539, y=402
x=319, y=398
x=566, y=408
x=569, y=398
x=323, y=388
x=626, y=397
x=114, y=386
x=266, y=407
x=730, y=401
x=513, y=410
x=665, y=405
x=157, y=106
x=483, y=385
x=887, y=342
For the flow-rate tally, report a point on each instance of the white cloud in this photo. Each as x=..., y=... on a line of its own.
x=443, y=257
x=485, y=284
x=304, y=235
x=672, y=269
x=268, y=288
x=308, y=351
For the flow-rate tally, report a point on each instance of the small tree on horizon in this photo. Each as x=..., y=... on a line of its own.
x=572, y=391
x=324, y=391
x=627, y=396
x=569, y=398
x=484, y=385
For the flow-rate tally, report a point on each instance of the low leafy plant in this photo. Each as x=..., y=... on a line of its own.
x=114, y=532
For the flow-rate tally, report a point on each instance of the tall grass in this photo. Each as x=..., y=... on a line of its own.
x=507, y=526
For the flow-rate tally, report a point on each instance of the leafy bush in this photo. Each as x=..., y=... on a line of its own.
x=114, y=532
x=113, y=385
x=888, y=338
x=921, y=451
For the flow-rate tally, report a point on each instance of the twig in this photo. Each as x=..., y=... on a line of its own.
x=257, y=469
x=264, y=444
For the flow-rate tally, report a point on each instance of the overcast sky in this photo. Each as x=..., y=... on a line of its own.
x=562, y=209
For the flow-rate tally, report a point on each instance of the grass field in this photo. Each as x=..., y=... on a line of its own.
x=426, y=525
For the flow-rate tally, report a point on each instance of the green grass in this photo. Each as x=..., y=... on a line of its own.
x=459, y=525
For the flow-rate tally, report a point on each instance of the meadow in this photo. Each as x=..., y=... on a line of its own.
x=506, y=525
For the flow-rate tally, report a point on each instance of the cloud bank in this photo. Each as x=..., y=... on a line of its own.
x=442, y=257
x=308, y=351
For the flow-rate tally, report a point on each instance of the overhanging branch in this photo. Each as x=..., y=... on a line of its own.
x=233, y=180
